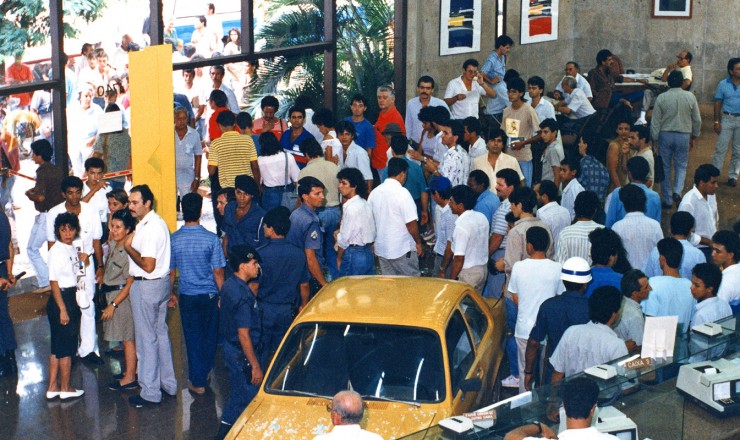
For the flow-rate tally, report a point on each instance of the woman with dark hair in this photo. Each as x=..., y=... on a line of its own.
x=235, y=72
x=278, y=171
x=62, y=309
x=269, y=122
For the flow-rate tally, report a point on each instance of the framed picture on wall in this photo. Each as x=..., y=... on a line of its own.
x=672, y=8
x=459, y=26
x=539, y=21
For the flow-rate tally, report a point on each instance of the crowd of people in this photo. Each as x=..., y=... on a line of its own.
x=559, y=184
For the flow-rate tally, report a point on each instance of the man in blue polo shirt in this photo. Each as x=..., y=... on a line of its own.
x=306, y=231
x=604, y=251
x=196, y=254
x=727, y=120
x=243, y=217
x=487, y=202
x=364, y=129
x=638, y=169
x=283, y=283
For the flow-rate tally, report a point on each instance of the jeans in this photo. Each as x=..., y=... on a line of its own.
x=357, y=260
x=330, y=218
x=510, y=347
x=730, y=132
x=35, y=241
x=241, y=390
x=7, y=334
x=674, y=148
x=272, y=196
x=527, y=168
x=199, y=315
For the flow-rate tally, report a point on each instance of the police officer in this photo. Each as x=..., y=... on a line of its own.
x=306, y=231
x=283, y=283
x=241, y=331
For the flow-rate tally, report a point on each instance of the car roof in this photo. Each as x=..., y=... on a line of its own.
x=410, y=301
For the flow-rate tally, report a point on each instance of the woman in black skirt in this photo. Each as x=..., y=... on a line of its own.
x=62, y=309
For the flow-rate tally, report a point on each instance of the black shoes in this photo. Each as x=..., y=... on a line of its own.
x=8, y=365
x=223, y=429
x=116, y=385
x=93, y=359
x=732, y=182
x=139, y=402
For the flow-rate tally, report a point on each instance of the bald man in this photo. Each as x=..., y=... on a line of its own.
x=346, y=414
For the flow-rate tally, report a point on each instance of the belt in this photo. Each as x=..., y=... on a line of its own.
x=147, y=279
x=360, y=245
x=730, y=114
x=105, y=288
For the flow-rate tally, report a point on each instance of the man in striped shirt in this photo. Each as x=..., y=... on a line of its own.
x=233, y=154
x=573, y=240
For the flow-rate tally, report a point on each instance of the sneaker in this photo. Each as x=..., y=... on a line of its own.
x=139, y=402
x=510, y=382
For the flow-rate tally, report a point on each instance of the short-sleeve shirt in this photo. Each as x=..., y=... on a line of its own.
x=594, y=176
x=551, y=158
x=455, y=165
x=284, y=269
x=729, y=288
x=357, y=157
x=587, y=345
x=185, y=151
x=704, y=211
x=90, y=227
x=615, y=208
x=246, y=230
x=239, y=309
x=710, y=310
x=365, y=133
x=603, y=276
x=469, y=105
x=579, y=104
x=499, y=225
x=631, y=325
x=487, y=204
x=444, y=229
x=670, y=297
x=415, y=183
x=520, y=124
x=152, y=240
x=116, y=266
x=232, y=153
x=305, y=230
x=326, y=172
x=393, y=208
x=196, y=253
x=555, y=217
x=470, y=227
x=63, y=263
x=729, y=93
x=691, y=257
x=533, y=290
x=556, y=315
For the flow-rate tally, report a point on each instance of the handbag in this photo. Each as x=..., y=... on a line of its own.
x=289, y=199
x=658, y=172
x=80, y=295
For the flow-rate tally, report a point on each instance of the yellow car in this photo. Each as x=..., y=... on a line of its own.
x=417, y=349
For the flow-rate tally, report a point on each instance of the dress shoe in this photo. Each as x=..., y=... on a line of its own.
x=51, y=395
x=165, y=393
x=118, y=386
x=93, y=359
x=67, y=395
x=732, y=182
x=677, y=198
x=139, y=402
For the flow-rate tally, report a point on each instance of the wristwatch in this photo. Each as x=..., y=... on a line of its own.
x=115, y=306
x=538, y=425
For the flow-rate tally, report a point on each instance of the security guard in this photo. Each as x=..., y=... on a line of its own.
x=306, y=230
x=241, y=331
x=283, y=284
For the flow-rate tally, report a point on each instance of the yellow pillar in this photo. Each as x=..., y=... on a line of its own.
x=152, y=127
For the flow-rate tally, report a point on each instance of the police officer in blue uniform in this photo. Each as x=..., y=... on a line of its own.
x=283, y=290
x=242, y=223
x=240, y=329
x=306, y=231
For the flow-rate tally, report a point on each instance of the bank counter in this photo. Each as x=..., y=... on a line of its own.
x=646, y=395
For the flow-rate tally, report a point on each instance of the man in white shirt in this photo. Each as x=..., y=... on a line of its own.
x=347, y=410
x=149, y=265
x=188, y=154
x=472, y=131
x=356, y=232
x=576, y=107
x=682, y=223
x=671, y=294
x=639, y=233
x=495, y=160
x=464, y=92
x=725, y=252
x=397, y=243
x=705, y=283
x=701, y=202
x=425, y=89
x=529, y=292
x=91, y=232
x=574, y=70
x=553, y=215
x=635, y=288
x=470, y=252
x=217, y=76
x=573, y=240
x=570, y=168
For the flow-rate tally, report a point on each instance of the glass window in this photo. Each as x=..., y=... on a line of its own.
x=475, y=318
x=387, y=362
x=459, y=349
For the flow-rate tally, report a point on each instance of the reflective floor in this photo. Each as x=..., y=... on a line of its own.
x=102, y=413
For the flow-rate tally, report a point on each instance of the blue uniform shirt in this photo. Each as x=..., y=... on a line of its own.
x=284, y=269
x=248, y=230
x=195, y=253
x=556, y=315
x=487, y=205
x=617, y=212
x=729, y=94
x=603, y=276
x=239, y=309
x=415, y=181
x=305, y=231
x=365, y=133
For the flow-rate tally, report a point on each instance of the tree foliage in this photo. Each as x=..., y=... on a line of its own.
x=26, y=23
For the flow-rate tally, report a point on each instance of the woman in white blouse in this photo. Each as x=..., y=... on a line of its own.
x=278, y=171
x=324, y=120
x=62, y=309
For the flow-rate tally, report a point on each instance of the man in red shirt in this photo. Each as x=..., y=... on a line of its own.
x=17, y=73
x=388, y=114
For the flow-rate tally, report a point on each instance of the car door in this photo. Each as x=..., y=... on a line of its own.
x=479, y=326
x=461, y=357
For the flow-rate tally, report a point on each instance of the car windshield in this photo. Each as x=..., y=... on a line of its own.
x=385, y=362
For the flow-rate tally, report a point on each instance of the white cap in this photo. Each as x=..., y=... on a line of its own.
x=576, y=270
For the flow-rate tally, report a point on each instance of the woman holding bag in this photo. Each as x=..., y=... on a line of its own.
x=279, y=174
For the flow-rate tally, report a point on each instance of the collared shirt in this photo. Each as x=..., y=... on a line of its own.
x=478, y=149
x=63, y=264
x=152, y=240
x=342, y=432
x=415, y=183
x=49, y=184
x=573, y=241
x=639, y=234
x=579, y=104
x=233, y=103
x=503, y=161
x=585, y=346
x=393, y=208
x=455, y=165
x=532, y=291
x=469, y=105
x=272, y=169
x=470, y=227
x=305, y=230
x=729, y=289
x=603, y=276
x=326, y=172
x=246, y=230
x=196, y=253
x=358, y=224
x=516, y=241
x=615, y=208
x=232, y=153
x=294, y=146
x=568, y=198
x=631, y=323
x=487, y=204
x=499, y=225
x=581, y=84
x=594, y=176
x=185, y=151
x=493, y=67
x=691, y=257
x=551, y=157
x=98, y=202
x=729, y=94
x=676, y=110
x=413, y=107
x=239, y=309
x=356, y=157
x=555, y=217
x=90, y=227
x=443, y=229
x=378, y=156
x=704, y=211
x=544, y=109
x=556, y=315
x=670, y=297
x=710, y=310
x=602, y=83
x=365, y=133
x=284, y=269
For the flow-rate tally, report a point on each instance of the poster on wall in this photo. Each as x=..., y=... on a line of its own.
x=539, y=21
x=671, y=8
x=459, y=26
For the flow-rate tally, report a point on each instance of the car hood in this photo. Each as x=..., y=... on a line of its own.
x=294, y=418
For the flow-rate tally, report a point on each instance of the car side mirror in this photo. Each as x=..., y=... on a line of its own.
x=472, y=384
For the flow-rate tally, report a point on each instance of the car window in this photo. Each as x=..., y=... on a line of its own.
x=390, y=362
x=477, y=321
x=459, y=349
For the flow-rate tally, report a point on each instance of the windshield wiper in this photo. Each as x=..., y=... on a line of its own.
x=300, y=393
x=388, y=399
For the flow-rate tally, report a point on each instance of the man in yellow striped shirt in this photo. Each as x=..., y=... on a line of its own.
x=232, y=153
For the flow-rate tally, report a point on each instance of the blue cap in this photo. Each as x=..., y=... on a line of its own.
x=439, y=183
